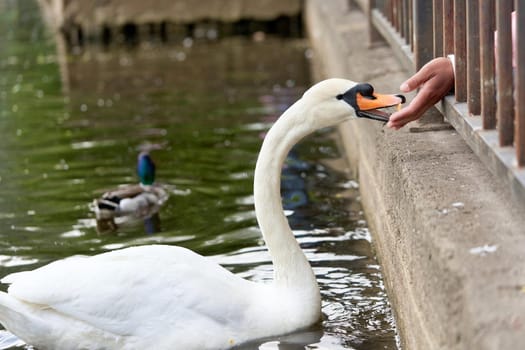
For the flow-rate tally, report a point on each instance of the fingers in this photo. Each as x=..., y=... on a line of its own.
x=421, y=77
x=423, y=100
x=414, y=82
x=435, y=79
x=435, y=67
x=410, y=113
x=405, y=87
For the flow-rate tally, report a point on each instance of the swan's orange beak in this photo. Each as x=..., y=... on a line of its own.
x=367, y=103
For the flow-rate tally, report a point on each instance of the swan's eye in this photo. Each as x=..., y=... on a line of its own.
x=339, y=97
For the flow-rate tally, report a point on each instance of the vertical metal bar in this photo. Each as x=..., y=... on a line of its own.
x=411, y=25
x=505, y=106
x=488, y=73
x=406, y=20
x=448, y=27
x=399, y=11
x=520, y=83
x=388, y=10
x=423, y=33
x=373, y=35
x=437, y=20
x=473, y=78
x=460, y=50
x=395, y=17
x=400, y=17
x=438, y=27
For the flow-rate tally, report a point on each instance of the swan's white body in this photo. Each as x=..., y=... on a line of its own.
x=150, y=297
x=167, y=297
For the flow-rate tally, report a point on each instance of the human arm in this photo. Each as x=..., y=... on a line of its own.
x=435, y=79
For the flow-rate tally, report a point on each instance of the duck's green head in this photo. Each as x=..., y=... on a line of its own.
x=145, y=169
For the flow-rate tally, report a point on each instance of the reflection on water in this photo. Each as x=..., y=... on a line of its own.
x=205, y=106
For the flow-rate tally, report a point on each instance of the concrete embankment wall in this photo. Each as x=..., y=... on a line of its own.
x=109, y=20
x=449, y=238
x=95, y=13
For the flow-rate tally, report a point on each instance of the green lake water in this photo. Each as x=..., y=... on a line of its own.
x=72, y=125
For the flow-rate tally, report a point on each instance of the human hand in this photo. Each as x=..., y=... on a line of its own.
x=435, y=79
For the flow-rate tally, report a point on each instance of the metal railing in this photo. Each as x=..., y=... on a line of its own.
x=488, y=106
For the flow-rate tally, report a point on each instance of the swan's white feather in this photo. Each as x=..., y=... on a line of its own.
x=187, y=287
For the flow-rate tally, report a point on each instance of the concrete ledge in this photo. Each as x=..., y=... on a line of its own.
x=450, y=238
x=485, y=143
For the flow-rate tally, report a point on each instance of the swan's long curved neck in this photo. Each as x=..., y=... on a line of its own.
x=290, y=264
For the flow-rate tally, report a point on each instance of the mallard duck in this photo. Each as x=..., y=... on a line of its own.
x=169, y=297
x=139, y=200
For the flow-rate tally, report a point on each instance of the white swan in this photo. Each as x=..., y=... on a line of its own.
x=168, y=297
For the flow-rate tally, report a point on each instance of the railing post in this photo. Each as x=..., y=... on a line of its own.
x=406, y=20
x=373, y=35
x=399, y=15
x=460, y=50
x=488, y=81
x=411, y=26
x=448, y=27
x=473, y=78
x=520, y=83
x=395, y=14
x=487, y=64
x=505, y=105
x=437, y=19
x=423, y=30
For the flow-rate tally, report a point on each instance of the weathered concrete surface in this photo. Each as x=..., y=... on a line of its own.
x=430, y=203
x=95, y=13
